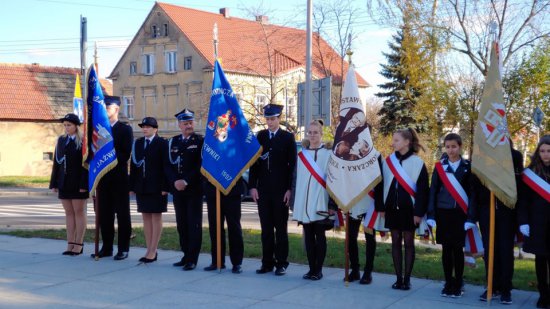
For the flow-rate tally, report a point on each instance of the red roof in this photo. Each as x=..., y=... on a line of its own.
x=35, y=92
x=245, y=45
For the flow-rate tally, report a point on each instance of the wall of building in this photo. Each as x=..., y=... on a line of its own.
x=26, y=148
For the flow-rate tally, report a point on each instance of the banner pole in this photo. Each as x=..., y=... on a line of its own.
x=218, y=232
x=491, y=249
x=346, y=251
x=96, y=236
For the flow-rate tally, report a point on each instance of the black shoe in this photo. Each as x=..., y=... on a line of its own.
x=237, y=269
x=506, y=298
x=121, y=256
x=542, y=302
x=189, y=266
x=181, y=263
x=102, y=254
x=212, y=267
x=397, y=285
x=406, y=285
x=483, y=297
x=366, y=279
x=281, y=270
x=307, y=275
x=447, y=290
x=146, y=260
x=354, y=275
x=264, y=270
x=317, y=276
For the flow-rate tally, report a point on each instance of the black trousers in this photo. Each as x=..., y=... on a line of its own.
x=505, y=231
x=354, y=226
x=230, y=211
x=316, y=246
x=542, y=266
x=114, y=201
x=274, y=220
x=188, y=210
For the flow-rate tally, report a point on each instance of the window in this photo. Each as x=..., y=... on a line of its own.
x=133, y=68
x=128, y=107
x=259, y=102
x=291, y=107
x=47, y=156
x=239, y=97
x=170, y=61
x=154, y=31
x=165, y=29
x=148, y=64
x=187, y=63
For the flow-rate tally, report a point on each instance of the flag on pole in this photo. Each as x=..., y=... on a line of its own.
x=230, y=147
x=492, y=155
x=353, y=169
x=99, y=152
x=78, y=108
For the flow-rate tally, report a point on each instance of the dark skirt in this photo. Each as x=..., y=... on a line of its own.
x=450, y=226
x=400, y=219
x=72, y=195
x=152, y=203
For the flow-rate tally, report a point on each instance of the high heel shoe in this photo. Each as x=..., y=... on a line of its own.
x=146, y=260
x=77, y=253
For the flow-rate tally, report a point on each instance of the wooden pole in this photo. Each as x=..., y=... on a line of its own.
x=491, y=249
x=96, y=237
x=218, y=232
x=346, y=249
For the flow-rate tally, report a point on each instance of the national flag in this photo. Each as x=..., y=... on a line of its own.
x=99, y=151
x=353, y=169
x=230, y=147
x=78, y=108
x=492, y=156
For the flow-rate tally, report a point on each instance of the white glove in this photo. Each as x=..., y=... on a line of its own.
x=524, y=229
x=431, y=223
x=469, y=225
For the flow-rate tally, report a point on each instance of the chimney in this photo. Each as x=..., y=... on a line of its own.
x=225, y=12
x=263, y=19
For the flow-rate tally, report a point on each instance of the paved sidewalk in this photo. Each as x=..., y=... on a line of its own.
x=34, y=274
x=23, y=191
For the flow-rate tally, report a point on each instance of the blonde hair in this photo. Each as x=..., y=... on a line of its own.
x=77, y=138
x=318, y=123
x=411, y=135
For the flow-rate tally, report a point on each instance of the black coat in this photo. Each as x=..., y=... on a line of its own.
x=272, y=172
x=123, y=138
x=154, y=181
x=439, y=195
x=68, y=175
x=189, y=166
x=534, y=210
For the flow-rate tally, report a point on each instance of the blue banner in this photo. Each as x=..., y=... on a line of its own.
x=230, y=147
x=100, y=150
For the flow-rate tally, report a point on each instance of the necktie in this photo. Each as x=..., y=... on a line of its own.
x=147, y=143
x=271, y=134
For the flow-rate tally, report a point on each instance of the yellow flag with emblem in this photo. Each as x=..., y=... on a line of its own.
x=492, y=155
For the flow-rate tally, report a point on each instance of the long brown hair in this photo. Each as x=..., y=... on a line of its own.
x=411, y=135
x=536, y=162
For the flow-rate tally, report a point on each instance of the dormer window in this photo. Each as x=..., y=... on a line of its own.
x=165, y=29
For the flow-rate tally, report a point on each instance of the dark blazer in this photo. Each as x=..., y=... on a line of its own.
x=534, y=210
x=480, y=196
x=123, y=137
x=237, y=190
x=272, y=172
x=69, y=175
x=154, y=181
x=439, y=195
x=189, y=168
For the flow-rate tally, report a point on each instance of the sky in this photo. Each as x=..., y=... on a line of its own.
x=48, y=31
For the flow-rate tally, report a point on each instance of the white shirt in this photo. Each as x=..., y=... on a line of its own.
x=454, y=165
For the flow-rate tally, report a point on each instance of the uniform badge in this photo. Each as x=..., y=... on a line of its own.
x=192, y=147
x=265, y=156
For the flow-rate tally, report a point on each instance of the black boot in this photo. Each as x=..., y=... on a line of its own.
x=366, y=279
x=354, y=275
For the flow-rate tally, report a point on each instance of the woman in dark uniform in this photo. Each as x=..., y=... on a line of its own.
x=404, y=211
x=534, y=215
x=148, y=183
x=70, y=180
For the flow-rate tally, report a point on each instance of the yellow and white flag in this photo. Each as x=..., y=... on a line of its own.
x=492, y=155
x=353, y=166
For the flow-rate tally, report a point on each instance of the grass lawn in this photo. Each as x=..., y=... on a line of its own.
x=427, y=264
x=25, y=181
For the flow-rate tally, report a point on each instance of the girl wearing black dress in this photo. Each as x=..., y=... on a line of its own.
x=449, y=213
x=404, y=203
x=148, y=183
x=534, y=215
x=70, y=180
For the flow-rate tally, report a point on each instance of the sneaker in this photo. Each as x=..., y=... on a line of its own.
x=457, y=293
x=446, y=291
x=506, y=298
x=483, y=296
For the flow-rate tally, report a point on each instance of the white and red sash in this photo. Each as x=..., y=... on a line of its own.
x=473, y=243
x=313, y=168
x=536, y=183
x=399, y=173
x=372, y=215
x=453, y=186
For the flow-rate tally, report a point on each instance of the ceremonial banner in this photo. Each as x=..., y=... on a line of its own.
x=99, y=152
x=230, y=147
x=492, y=155
x=353, y=168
